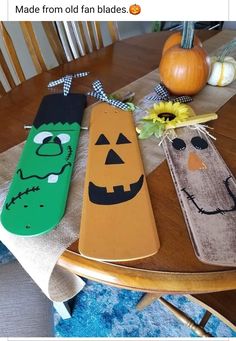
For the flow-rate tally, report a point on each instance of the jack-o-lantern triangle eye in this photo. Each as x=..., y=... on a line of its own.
x=102, y=140
x=122, y=139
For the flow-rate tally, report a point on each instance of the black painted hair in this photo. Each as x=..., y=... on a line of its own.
x=58, y=108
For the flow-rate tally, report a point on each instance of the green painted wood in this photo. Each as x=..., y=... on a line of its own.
x=37, y=197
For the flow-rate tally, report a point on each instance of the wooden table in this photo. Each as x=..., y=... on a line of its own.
x=175, y=269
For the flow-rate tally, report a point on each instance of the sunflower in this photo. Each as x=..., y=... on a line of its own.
x=169, y=114
x=163, y=116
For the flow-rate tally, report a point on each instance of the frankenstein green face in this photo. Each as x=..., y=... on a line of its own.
x=37, y=197
x=41, y=181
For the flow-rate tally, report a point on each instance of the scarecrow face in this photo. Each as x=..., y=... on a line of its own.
x=41, y=179
x=207, y=193
x=196, y=159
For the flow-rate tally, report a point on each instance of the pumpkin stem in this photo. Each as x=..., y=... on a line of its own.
x=188, y=35
x=228, y=48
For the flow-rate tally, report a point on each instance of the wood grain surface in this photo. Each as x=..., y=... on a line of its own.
x=207, y=194
x=117, y=66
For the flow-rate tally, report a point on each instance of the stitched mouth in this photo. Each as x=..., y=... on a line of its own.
x=100, y=196
x=191, y=197
x=52, y=176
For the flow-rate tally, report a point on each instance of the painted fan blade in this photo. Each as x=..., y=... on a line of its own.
x=117, y=218
x=37, y=197
x=207, y=194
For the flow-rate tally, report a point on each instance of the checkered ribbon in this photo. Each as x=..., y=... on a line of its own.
x=100, y=94
x=162, y=94
x=67, y=81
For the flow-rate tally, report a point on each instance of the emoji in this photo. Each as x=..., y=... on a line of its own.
x=134, y=9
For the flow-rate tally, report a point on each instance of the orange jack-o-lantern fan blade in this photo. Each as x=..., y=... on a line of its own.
x=117, y=218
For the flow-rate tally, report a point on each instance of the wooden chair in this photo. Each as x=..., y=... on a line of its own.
x=68, y=40
x=9, y=60
x=81, y=38
x=220, y=304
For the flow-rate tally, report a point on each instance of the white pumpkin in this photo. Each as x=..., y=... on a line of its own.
x=222, y=73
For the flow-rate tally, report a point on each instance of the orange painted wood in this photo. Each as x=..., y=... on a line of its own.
x=124, y=227
x=168, y=270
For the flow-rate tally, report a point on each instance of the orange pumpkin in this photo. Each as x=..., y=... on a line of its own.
x=175, y=39
x=184, y=68
x=184, y=71
x=135, y=9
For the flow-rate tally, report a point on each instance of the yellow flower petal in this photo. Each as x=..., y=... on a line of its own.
x=181, y=112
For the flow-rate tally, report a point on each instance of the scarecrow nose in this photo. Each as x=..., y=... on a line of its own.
x=113, y=158
x=195, y=163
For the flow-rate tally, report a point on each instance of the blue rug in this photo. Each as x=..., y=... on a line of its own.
x=5, y=254
x=103, y=311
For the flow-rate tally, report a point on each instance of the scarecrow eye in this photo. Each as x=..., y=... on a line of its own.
x=42, y=137
x=199, y=143
x=102, y=140
x=122, y=139
x=63, y=138
x=178, y=144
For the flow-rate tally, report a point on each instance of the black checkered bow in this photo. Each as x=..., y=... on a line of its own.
x=162, y=94
x=67, y=81
x=100, y=94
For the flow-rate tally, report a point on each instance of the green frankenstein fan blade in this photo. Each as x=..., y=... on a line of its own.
x=37, y=197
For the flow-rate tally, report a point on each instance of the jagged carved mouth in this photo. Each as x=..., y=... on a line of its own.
x=218, y=210
x=100, y=196
x=52, y=176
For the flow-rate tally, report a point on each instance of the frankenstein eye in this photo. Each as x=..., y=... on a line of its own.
x=57, y=140
x=199, y=143
x=47, y=139
x=41, y=137
x=64, y=138
x=122, y=139
x=102, y=140
x=178, y=144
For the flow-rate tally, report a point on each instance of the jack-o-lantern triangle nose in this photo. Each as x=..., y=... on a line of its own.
x=113, y=158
